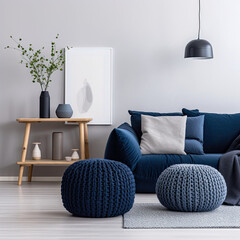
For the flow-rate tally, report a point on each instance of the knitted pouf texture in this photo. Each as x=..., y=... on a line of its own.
x=98, y=188
x=191, y=188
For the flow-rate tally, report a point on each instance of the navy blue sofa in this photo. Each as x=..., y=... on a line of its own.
x=220, y=130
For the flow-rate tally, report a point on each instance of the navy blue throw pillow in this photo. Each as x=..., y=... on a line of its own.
x=194, y=135
x=194, y=128
x=193, y=146
x=220, y=130
x=190, y=113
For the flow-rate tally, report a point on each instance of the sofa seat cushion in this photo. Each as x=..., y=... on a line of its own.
x=149, y=167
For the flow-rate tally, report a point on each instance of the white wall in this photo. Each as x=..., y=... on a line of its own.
x=150, y=73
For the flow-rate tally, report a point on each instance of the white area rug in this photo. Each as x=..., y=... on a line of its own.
x=154, y=215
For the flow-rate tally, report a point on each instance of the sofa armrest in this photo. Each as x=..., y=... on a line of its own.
x=123, y=146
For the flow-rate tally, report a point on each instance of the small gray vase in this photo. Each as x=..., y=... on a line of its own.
x=64, y=111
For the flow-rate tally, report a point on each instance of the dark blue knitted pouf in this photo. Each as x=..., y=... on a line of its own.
x=191, y=188
x=98, y=188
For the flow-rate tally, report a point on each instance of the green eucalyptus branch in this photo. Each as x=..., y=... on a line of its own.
x=41, y=68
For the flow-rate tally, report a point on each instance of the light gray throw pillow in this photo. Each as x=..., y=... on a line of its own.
x=163, y=135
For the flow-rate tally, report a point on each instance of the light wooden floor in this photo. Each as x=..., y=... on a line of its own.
x=34, y=211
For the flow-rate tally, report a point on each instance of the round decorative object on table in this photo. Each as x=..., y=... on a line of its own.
x=64, y=111
x=98, y=188
x=75, y=155
x=68, y=158
x=36, y=153
x=191, y=188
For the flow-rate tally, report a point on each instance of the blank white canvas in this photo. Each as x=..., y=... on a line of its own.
x=88, y=83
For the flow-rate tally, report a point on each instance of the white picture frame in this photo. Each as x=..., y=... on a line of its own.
x=88, y=83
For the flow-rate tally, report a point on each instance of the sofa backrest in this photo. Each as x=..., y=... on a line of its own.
x=220, y=130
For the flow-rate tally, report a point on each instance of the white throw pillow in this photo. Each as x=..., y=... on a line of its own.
x=163, y=135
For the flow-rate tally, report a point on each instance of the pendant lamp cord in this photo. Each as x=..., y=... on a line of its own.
x=199, y=18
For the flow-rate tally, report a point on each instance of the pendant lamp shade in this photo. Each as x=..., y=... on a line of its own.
x=199, y=48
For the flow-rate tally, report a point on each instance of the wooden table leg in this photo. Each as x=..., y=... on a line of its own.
x=24, y=151
x=82, y=144
x=20, y=175
x=86, y=141
x=30, y=170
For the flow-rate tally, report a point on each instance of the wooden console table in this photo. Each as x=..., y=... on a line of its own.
x=84, y=151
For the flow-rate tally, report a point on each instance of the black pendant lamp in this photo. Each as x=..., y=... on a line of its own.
x=199, y=48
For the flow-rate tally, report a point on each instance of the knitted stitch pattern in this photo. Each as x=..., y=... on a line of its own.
x=191, y=188
x=98, y=188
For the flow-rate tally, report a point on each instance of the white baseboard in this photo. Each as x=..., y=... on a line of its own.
x=34, y=179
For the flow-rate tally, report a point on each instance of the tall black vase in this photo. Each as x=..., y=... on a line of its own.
x=44, y=110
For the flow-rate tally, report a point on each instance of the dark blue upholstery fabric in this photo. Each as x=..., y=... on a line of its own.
x=194, y=128
x=123, y=146
x=220, y=130
x=98, y=188
x=191, y=188
x=126, y=126
x=193, y=146
x=190, y=113
x=194, y=135
x=149, y=167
